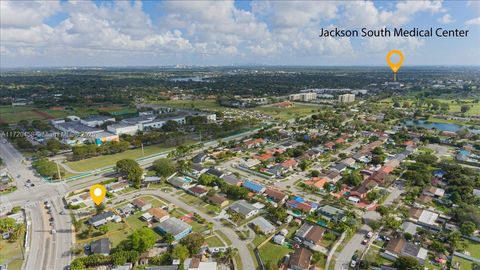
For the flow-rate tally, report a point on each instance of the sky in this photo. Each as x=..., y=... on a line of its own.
x=166, y=33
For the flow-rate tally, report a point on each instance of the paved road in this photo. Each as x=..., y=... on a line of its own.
x=44, y=251
x=247, y=260
x=355, y=243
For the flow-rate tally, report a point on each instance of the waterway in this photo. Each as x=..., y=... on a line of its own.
x=439, y=126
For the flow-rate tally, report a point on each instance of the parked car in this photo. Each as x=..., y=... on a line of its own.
x=353, y=263
x=365, y=241
x=369, y=235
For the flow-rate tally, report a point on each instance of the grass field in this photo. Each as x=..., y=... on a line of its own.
x=9, y=114
x=107, y=160
x=454, y=107
x=273, y=252
x=214, y=241
x=11, y=253
x=298, y=110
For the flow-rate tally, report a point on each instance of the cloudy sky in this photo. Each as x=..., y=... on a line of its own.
x=157, y=33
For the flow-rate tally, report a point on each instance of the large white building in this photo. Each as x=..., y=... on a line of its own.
x=96, y=120
x=308, y=96
x=122, y=128
x=346, y=98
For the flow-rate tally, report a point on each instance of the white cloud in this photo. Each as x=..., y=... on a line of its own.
x=446, y=19
x=366, y=14
x=474, y=21
x=24, y=14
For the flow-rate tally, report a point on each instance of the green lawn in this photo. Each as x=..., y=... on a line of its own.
x=463, y=263
x=298, y=110
x=9, y=114
x=108, y=160
x=473, y=248
x=224, y=237
x=11, y=253
x=214, y=241
x=273, y=253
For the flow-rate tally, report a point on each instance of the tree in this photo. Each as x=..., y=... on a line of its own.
x=193, y=242
x=464, y=108
x=130, y=169
x=164, y=167
x=467, y=228
x=315, y=173
x=143, y=239
x=352, y=179
x=103, y=229
x=180, y=252
x=169, y=238
x=407, y=263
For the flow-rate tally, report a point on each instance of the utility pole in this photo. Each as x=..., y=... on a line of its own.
x=143, y=151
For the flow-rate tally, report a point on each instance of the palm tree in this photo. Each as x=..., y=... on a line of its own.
x=210, y=227
x=230, y=253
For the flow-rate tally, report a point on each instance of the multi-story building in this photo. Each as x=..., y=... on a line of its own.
x=346, y=98
x=308, y=96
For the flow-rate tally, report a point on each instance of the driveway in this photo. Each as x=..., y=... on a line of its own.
x=244, y=253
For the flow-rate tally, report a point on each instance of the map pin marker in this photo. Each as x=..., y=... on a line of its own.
x=98, y=192
x=395, y=66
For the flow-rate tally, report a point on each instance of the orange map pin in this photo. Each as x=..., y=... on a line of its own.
x=98, y=192
x=395, y=66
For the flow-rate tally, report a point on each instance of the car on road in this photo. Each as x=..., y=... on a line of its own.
x=353, y=263
x=54, y=231
x=51, y=219
x=365, y=241
x=369, y=235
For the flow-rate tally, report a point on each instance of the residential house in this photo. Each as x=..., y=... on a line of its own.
x=301, y=205
x=127, y=210
x=300, y=259
x=400, y=247
x=254, y=186
x=198, y=191
x=232, y=180
x=243, y=208
x=332, y=213
x=197, y=170
x=263, y=225
x=141, y=204
x=117, y=186
x=334, y=175
x=100, y=246
x=310, y=235
x=424, y=218
x=276, y=195
x=317, y=182
x=349, y=162
x=158, y=214
x=252, y=143
x=215, y=172
x=175, y=227
x=196, y=263
x=276, y=170
x=152, y=180
x=289, y=165
x=200, y=158
x=179, y=182
x=218, y=200
x=339, y=167
x=434, y=192
x=266, y=157
x=101, y=219
x=362, y=190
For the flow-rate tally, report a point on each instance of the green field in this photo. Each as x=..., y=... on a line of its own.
x=214, y=241
x=271, y=252
x=11, y=253
x=94, y=163
x=454, y=107
x=298, y=110
x=9, y=114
